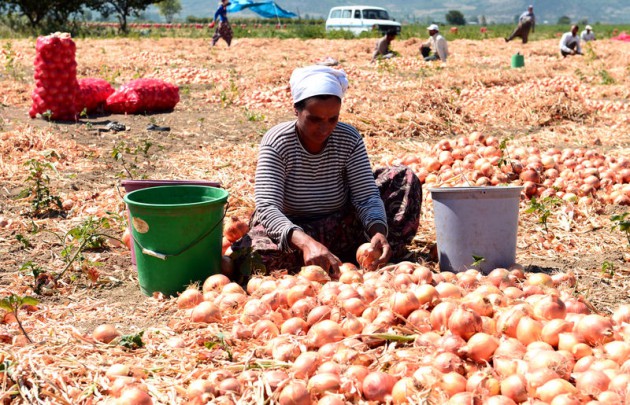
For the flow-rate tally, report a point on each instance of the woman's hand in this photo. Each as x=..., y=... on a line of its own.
x=314, y=253
x=379, y=243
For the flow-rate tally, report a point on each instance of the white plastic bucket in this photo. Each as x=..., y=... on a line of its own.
x=476, y=222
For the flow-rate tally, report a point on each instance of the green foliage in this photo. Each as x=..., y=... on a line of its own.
x=132, y=342
x=13, y=303
x=605, y=77
x=543, y=208
x=10, y=62
x=130, y=156
x=564, y=20
x=220, y=341
x=43, y=201
x=621, y=223
x=253, y=115
x=168, y=9
x=477, y=260
x=608, y=269
x=455, y=17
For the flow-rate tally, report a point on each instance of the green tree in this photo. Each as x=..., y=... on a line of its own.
x=455, y=17
x=122, y=9
x=39, y=11
x=168, y=9
x=564, y=20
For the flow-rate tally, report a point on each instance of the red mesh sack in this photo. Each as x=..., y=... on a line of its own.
x=143, y=95
x=56, y=87
x=94, y=93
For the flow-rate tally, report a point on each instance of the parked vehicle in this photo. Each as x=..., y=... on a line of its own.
x=358, y=19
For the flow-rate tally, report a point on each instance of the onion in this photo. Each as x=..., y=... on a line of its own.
x=539, y=279
x=451, y=343
x=230, y=386
x=511, y=348
x=134, y=396
x=426, y=294
x=447, y=362
x=575, y=306
x=464, y=398
x=528, y=330
x=553, y=388
x=325, y=382
x=595, y=329
x=105, y=333
x=253, y=311
x=299, y=291
x=551, y=330
x=265, y=329
x=235, y=229
x=592, y=382
x=617, y=351
x=550, y=307
x=508, y=320
x=566, y=399
x=318, y=314
x=620, y=384
x=551, y=360
x=331, y=399
x=367, y=256
x=324, y=332
x=464, y=323
x=448, y=290
x=515, y=388
x=295, y=393
x=612, y=398
x=404, y=391
x=305, y=365
x=200, y=387
x=621, y=314
x=539, y=377
x=404, y=303
x=452, y=383
x=215, y=282
x=480, y=347
x=440, y=315
x=499, y=400
x=483, y=383
x=377, y=385
x=352, y=325
x=118, y=370
x=205, y=312
x=189, y=298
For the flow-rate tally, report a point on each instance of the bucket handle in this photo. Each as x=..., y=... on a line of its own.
x=164, y=256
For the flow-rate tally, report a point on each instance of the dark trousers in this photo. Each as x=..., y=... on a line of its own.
x=341, y=232
x=521, y=31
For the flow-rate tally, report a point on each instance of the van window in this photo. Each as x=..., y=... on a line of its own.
x=335, y=14
x=375, y=15
x=357, y=14
x=346, y=14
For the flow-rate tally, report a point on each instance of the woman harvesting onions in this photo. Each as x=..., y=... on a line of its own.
x=317, y=198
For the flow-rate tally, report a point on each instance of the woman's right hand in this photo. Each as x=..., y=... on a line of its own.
x=315, y=253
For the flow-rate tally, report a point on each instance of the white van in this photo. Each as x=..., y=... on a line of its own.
x=358, y=19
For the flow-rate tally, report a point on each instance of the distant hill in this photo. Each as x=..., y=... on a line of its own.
x=408, y=11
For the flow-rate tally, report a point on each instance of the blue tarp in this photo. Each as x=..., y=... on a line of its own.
x=267, y=9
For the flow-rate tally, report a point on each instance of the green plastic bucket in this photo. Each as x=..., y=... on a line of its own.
x=518, y=60
x=177, y=232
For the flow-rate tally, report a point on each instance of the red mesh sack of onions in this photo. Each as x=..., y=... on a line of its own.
x=56, y=88
x=143, y=95
x=94, y=93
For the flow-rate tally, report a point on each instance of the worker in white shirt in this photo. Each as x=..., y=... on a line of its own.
x=526, y=22
x=436, y=42
x=570, y=42
x=587, y=34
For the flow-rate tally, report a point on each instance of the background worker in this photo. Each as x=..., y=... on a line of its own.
x=383, y=46
x=570, y=42
x=526, y=22
x=436, y=42
x=588, y=34
x=224, y=29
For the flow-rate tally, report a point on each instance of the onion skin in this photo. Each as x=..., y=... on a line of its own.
x=367, y=257
x=553, y=388
x=464, y=323
x=595, y=329
x=377, y=385
x=480, y=347
x=515, y=388
x=295, y=393
x=105, y=333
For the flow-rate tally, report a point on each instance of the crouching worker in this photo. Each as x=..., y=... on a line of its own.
x=570, y=43
x=436, y=42
x=317, y=199
x=383, y=46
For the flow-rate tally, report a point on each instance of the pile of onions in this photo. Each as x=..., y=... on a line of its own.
x=503, y=338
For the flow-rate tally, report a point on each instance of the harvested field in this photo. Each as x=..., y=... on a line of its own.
x=571, y=115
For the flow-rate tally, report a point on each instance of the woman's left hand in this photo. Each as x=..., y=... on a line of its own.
x=380, y=244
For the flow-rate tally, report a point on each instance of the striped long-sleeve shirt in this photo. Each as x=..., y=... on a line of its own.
x=294, y=183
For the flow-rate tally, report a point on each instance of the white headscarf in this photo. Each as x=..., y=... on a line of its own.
x=317, y=80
